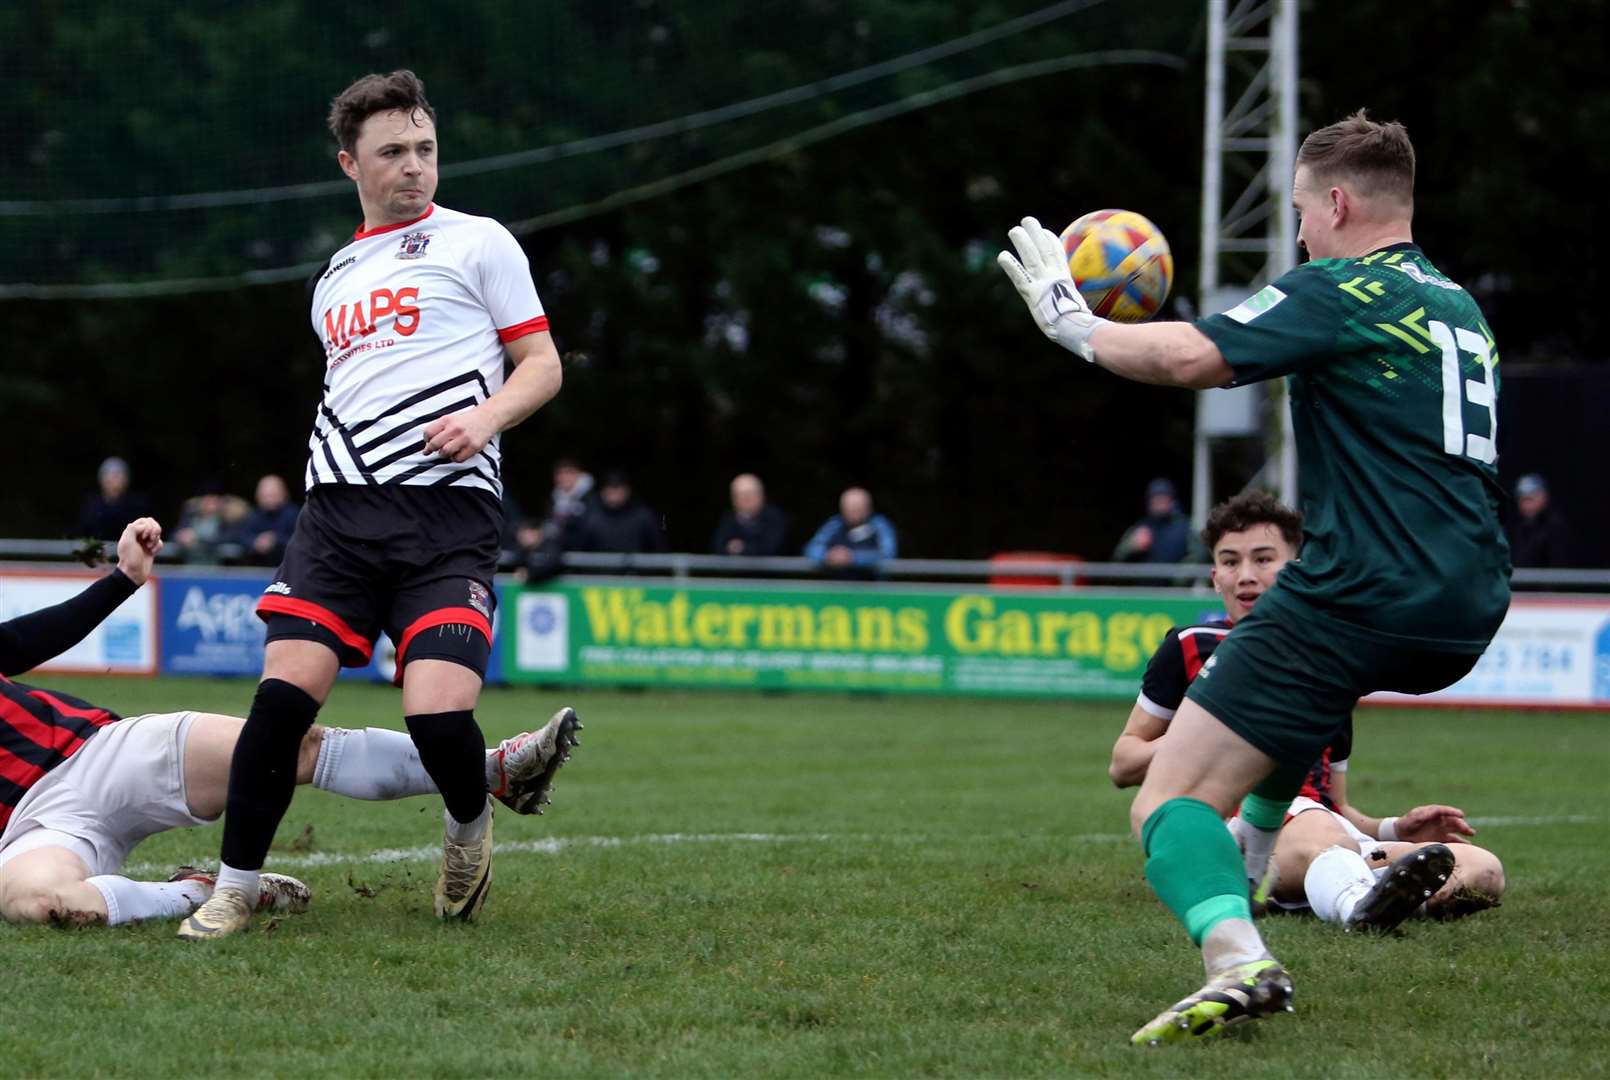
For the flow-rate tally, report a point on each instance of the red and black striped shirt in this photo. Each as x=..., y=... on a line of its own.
x=40, y=729
x=1178, y=660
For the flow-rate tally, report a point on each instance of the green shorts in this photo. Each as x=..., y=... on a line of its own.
x=1286, y=678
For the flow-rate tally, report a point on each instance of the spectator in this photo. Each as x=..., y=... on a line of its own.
x=269, y=527
x=573, y=498
x=855, y=541
x=753, y=526
x=1163, y=535
x=519, y=534
x=210, y=525
x=620, y=522
x=1539, y=535
x=104, y=514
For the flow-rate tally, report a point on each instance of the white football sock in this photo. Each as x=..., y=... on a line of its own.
x=1231, y=942
x=371, y=764
x=1256, y=846
x=1336, y=881
x=247, y=881
x=465, y=832
x=131, y=901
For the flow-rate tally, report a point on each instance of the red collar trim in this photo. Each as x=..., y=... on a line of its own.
x=364, y=234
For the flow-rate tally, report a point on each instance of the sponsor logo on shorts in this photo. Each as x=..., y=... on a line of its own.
x=279, y=587
x=480, y=600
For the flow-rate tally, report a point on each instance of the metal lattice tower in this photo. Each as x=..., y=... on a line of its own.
x=1251, y=240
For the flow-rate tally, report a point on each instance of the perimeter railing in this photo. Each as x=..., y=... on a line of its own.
x=1065, y=574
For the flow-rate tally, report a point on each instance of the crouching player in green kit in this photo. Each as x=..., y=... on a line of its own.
x=1404, y=577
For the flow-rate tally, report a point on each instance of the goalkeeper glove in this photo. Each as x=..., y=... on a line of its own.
x=1040, y=275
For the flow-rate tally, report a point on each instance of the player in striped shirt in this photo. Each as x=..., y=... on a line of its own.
x=1329, y=856
x=80, y=786
x=420, y=315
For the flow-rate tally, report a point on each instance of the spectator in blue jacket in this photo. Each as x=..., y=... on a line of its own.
x=855, y=541
x=268, y=528
x=1163, y=535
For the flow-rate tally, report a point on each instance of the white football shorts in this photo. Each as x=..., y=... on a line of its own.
x=1366, y=844
x=125, y=784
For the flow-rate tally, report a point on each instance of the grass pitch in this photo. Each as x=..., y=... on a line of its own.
x=736, y=884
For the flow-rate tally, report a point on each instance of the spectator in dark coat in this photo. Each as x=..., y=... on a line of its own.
x=268, y=528
x=1538, y=536
x=753, y=526
x=855, y=541
x=104, y=514
x=1163, y=535
x=572, y=500
x=620, y=522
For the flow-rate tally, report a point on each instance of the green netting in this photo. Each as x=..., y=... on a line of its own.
x=180, y=147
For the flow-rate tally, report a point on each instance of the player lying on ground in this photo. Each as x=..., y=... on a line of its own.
x=1330, y=856
x=1404, y=578
x=80, y=786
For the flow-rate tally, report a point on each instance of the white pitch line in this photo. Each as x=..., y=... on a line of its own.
x=555, y=844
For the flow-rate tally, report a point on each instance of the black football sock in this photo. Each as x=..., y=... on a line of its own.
x=262, y=774
x=451, y=749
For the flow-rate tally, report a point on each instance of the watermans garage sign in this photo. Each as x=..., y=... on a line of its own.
x=873, y=637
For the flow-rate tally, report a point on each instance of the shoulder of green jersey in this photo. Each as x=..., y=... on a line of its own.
x=1420, y=276
x=1259, y=303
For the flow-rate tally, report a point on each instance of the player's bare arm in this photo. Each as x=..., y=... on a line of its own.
x=1164, y=354
x=533, y=383
x=1432, y=823
x=1137, y=743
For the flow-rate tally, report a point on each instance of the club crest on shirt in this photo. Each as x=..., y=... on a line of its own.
x=480, y=600
x=414, y=245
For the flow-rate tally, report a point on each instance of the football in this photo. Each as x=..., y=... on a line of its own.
x=1120, y=263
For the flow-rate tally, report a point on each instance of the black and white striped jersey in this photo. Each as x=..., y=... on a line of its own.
x=414, y=318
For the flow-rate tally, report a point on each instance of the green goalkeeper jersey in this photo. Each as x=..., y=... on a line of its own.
x=1393, y=379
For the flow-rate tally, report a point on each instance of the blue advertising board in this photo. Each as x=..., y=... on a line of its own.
x=209, y=626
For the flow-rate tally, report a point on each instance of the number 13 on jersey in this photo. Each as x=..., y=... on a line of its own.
x=1456, y=390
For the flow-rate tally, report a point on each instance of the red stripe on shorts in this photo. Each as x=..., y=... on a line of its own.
x=439, y=617
x=306, y=609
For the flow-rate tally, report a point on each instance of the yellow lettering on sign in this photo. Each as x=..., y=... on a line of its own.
x=833, y=628
x=1123, y=644
x=709, y=620
x=874, y=628
x=966, y=627
x=913, y=623
x=609, y=613
x=739, y=616
x=787, y=627
x=1084, y=634
x=1014, y=634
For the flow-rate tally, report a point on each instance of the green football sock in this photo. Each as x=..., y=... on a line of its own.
x=1194, y=866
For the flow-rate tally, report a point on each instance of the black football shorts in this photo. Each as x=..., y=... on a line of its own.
x=414, y=561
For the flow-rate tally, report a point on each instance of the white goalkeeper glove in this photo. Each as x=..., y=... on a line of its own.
x=1040, y=275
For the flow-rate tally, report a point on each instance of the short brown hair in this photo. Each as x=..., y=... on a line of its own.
x=1377, y=158
x=1252, y=508
x=401, y=89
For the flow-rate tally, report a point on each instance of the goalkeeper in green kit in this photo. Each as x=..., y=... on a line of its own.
x=1404, y=576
